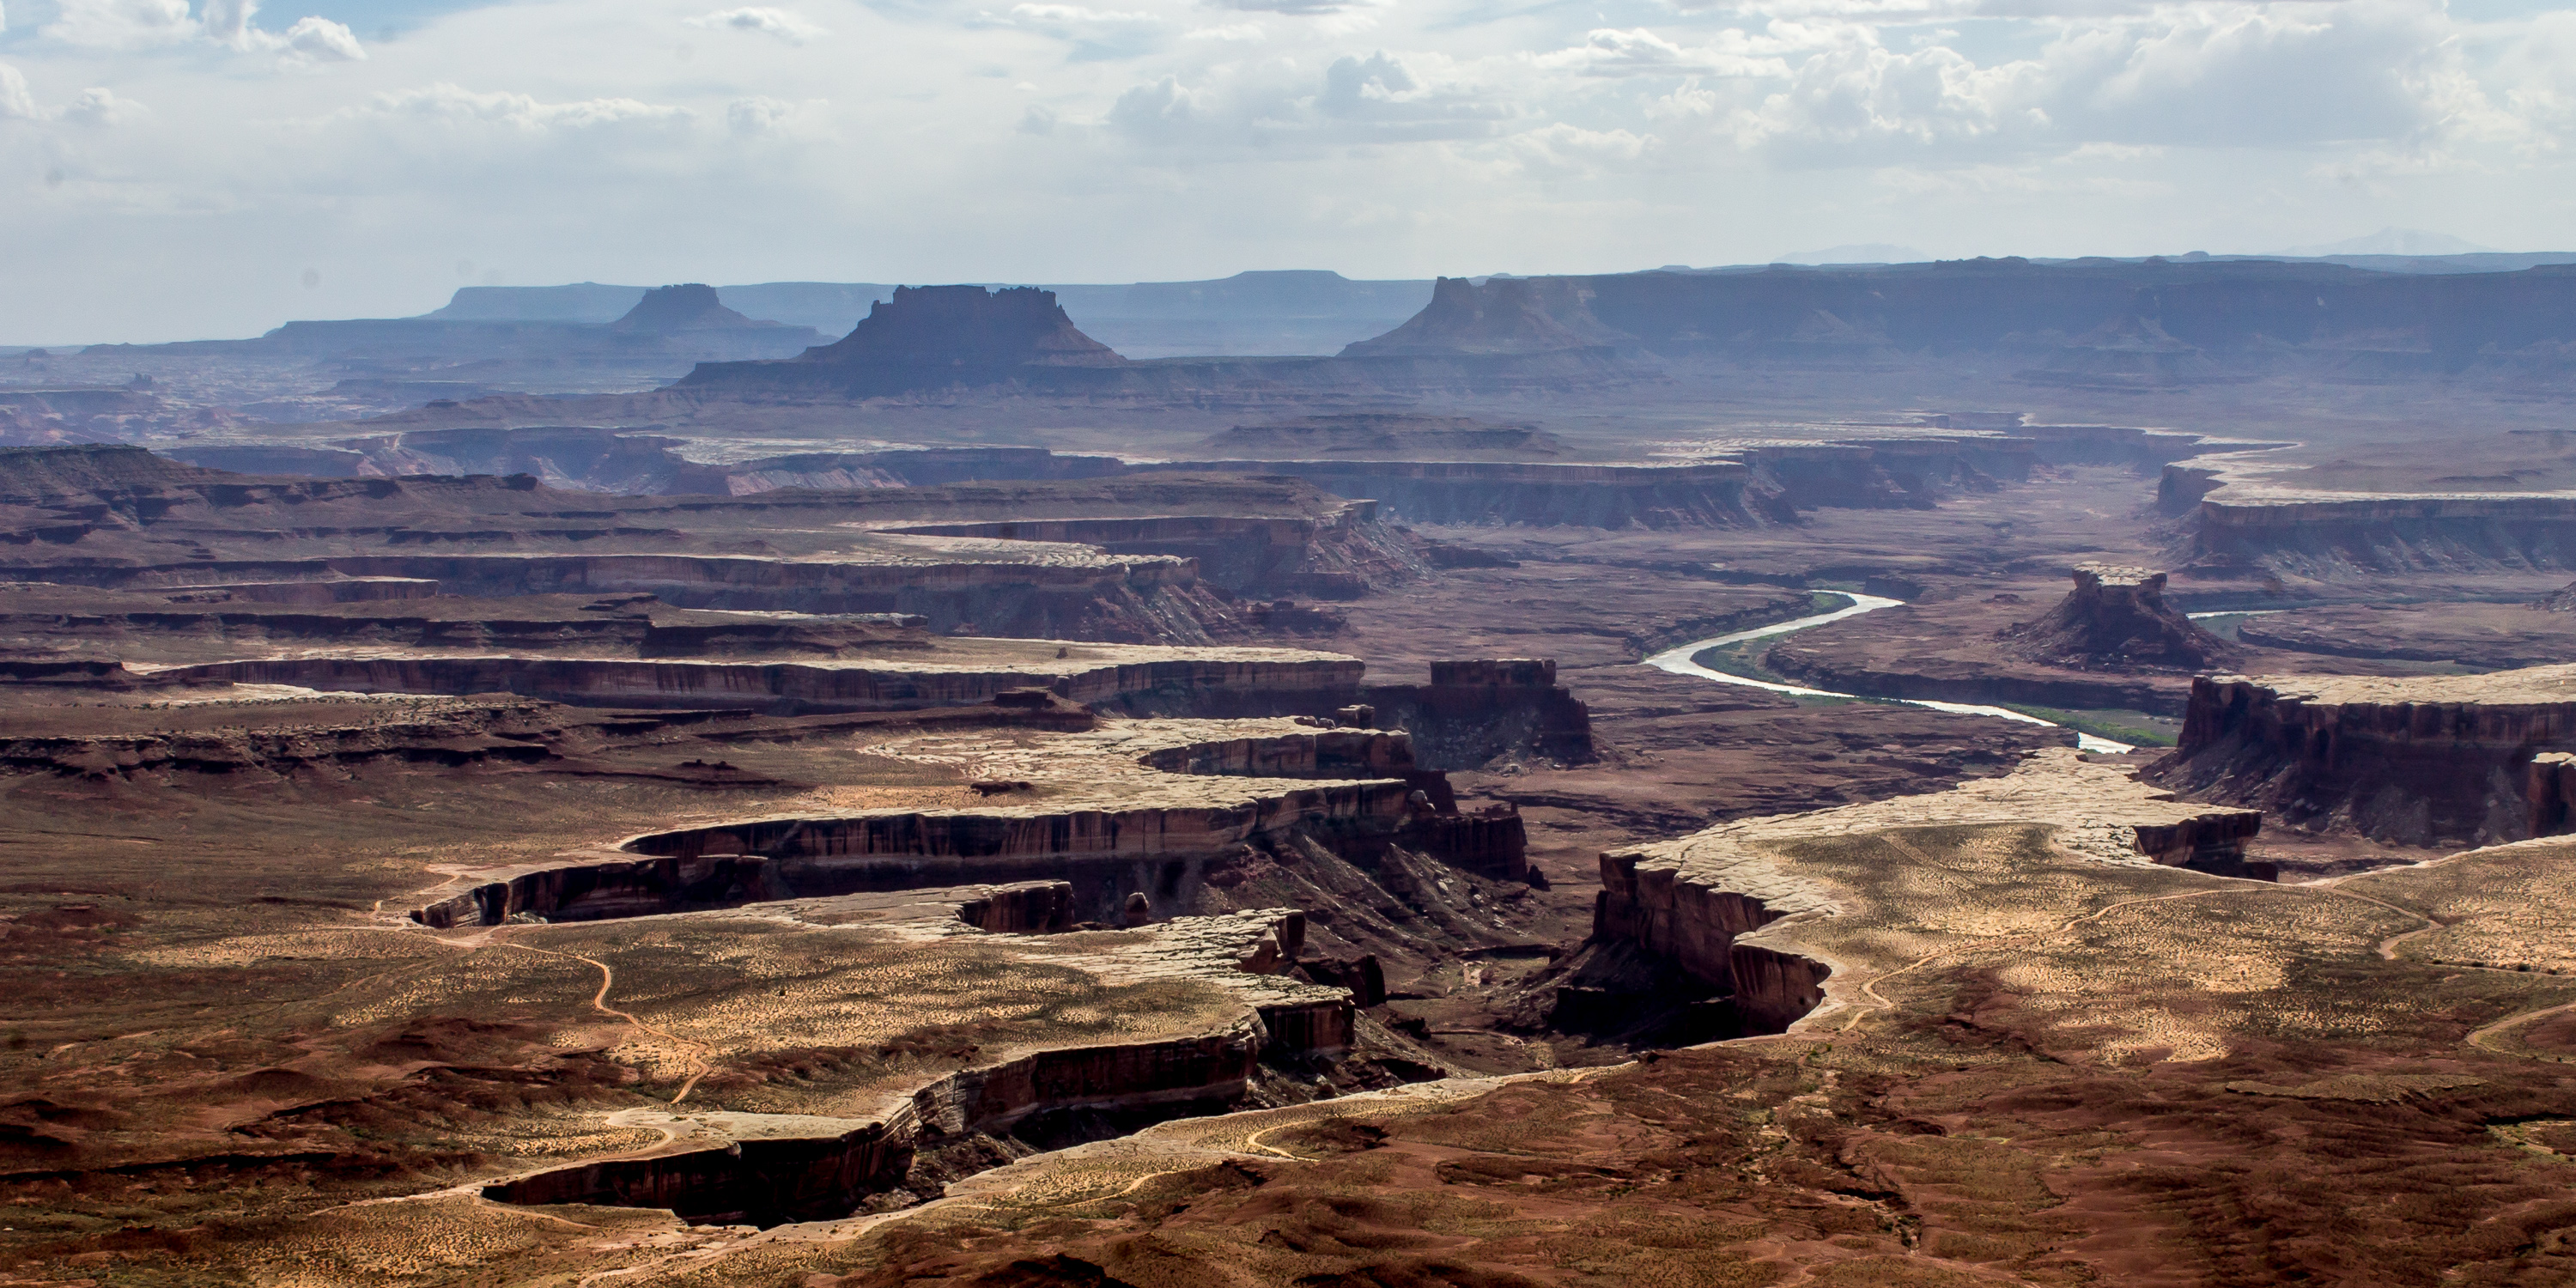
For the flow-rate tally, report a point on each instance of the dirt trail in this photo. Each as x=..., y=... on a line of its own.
x=599, y=1002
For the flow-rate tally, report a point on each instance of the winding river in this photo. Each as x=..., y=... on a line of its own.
x=1678, y=661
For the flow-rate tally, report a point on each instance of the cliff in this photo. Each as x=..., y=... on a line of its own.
x=1123, y=809
x=1726, y=904
x=1477, y=711
x=875, y=685
x=2331, y=538
x=2427, y=760
x=768, y=1170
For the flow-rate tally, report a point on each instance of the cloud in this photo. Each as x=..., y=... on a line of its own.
x=1610, y=52
x=1229, y=31
x=1560, y=150
x=100, y=107
x=17, y=103
x=130, y=26
x=323, y=40
x=760, y=114
x=1293, y=8
x=453, y=105
x=784, y=24
x=1096, y=34
x=1165, y=111
x=122, y=25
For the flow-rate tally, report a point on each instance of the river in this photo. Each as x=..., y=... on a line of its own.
x=1678, y=661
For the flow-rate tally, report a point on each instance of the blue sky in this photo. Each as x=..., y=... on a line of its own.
x=186, y=168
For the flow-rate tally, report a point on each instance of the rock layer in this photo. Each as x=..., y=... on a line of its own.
x=2429, y=760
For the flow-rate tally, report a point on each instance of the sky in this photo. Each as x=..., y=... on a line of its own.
x=174, y=170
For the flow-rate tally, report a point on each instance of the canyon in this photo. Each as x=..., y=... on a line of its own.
x=1894, y=774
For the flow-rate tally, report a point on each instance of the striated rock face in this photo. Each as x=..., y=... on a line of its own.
x=2328, y=538
x=2116, y=617
x=1104, y=833
x=1168, y=852
x=2425, y=760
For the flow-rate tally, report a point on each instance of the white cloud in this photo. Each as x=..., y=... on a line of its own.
x=17, y=102
x=101, y=107
x=1559, y=150
x=122, y=25
x=1611, y=52
x=453, y=105
x=1228, y=31
x=323, y=40
x=782, y=23
x=1293, y=8
x=130, y=26
x=760, y=114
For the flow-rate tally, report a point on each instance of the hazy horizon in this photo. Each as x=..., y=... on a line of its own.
x=183, y=170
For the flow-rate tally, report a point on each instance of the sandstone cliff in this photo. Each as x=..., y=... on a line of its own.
x=2428, y=760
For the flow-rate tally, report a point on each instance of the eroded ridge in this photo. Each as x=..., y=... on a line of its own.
x=959, y=673
x=1157, y=808
x=1709, y=902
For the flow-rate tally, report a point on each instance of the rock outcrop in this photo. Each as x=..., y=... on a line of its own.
x=2116, y=618
x=2424, y=760
x=689, y=307
x=1478, y=711
x=928, y=338
x=1515, y=316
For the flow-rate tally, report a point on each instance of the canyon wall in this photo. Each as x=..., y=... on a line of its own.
x=2345, y=538
x=2446, y=761
x=774, y=686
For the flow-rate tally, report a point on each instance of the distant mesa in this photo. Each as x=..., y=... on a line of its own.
x=689, y=307
x=1504, y=316
x=930, y=337
x=1389, y=435
x=2117, y=616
